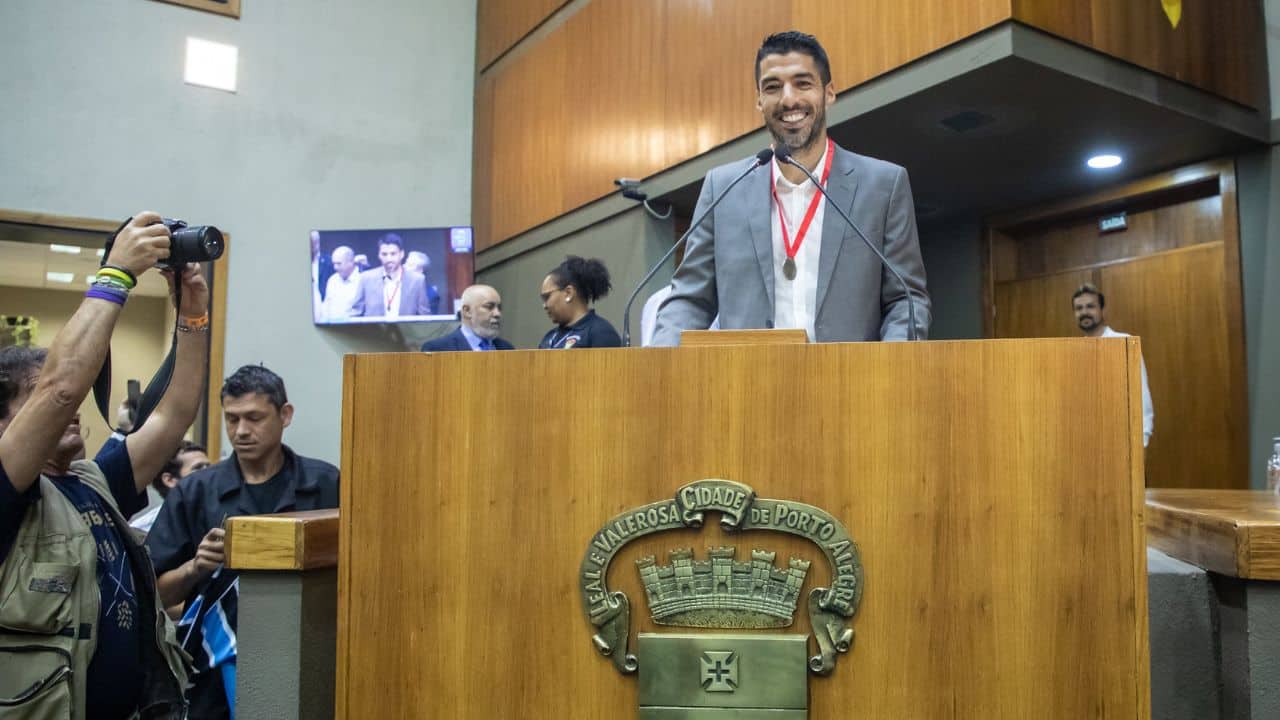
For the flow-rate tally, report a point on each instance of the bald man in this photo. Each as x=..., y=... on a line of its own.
x=343, y=286
x=481, y=316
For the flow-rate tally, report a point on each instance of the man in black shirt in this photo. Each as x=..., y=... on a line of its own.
x=262, y=476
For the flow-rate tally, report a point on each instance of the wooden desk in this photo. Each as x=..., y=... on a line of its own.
x=1231, y=532
x=1234, y=534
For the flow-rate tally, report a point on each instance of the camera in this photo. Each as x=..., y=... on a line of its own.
x=191, y=243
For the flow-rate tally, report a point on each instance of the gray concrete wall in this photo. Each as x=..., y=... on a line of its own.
x=953, y=264
x=348, y=115
x=628, y=243
x=1185, y=675
x=1258, y=179
x=287, y=645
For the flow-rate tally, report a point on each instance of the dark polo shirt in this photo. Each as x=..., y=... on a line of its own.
x=203, y=501
x=206, y=498
x=592, y=331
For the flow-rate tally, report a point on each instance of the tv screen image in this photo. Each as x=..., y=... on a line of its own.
x=389, y=275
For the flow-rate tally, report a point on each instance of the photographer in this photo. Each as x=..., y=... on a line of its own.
x=82, y=632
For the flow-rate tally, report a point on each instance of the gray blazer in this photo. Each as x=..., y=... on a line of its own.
x=728, y=266
x=369, y=299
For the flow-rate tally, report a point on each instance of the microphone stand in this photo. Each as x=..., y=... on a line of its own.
x=785, y=156
x=762, y=157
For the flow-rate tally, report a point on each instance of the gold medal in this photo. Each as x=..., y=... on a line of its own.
x=789, y=269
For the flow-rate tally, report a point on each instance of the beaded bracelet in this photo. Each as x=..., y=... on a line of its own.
x=110, y=294
x=124, y=274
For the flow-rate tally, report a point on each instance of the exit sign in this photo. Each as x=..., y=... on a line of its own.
x=1112, y=223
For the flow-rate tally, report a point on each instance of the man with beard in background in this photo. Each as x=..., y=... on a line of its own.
x=481, y=316
x=770, y=256
x=1088, y=303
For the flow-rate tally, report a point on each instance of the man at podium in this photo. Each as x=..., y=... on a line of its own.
x=770, y=256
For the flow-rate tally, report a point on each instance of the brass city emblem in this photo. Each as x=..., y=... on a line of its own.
x=726, y=591
x=719, y=671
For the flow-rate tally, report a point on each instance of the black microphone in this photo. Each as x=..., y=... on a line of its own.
x=783, y=154
x=762, y=158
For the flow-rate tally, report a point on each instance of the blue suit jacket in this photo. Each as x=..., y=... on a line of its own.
x=457, y=342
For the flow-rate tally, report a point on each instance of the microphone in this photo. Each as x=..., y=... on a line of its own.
x=783, y=154
x=762, y=158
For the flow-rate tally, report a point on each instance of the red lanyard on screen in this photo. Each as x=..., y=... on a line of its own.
x=395, y=290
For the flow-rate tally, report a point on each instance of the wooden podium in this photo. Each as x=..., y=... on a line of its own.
x=995, y=490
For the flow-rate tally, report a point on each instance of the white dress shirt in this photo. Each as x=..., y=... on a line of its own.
x=1148, y=412
x=795, y=301
x=340, y=295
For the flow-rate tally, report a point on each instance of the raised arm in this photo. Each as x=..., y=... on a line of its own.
x=75, y=357
x=158, y=438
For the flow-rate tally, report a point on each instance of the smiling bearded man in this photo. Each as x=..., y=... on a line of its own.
x=769, y=256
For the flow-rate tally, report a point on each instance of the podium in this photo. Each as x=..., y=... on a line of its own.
x=994, y=490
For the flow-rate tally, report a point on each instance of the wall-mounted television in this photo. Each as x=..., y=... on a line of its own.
x=389, y=275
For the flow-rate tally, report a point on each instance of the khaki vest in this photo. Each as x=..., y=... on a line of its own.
x=49, y=604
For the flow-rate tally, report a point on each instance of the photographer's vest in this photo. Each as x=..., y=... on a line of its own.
x=49, y=605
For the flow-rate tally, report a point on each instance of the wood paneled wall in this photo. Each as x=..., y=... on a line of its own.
x=1218, y=45
x=1173, y=278
x=627, y=88
x=501, y=23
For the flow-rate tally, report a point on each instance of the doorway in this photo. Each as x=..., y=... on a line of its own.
x=45, y=263
x=1164, y=251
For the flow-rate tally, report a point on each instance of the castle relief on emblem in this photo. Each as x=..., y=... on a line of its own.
x=729, y=588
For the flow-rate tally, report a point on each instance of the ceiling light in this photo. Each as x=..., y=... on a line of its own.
x=1102, y=162
x=101, y=252
x=211, y=64
x=68, y=249
x=59, y=277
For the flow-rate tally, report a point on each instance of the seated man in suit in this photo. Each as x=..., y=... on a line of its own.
x=390, y=291
x=481, y=316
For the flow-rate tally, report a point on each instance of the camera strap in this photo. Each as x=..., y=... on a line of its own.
x=159, y=382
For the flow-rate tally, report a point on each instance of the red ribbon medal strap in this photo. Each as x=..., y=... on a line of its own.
x=787, y=245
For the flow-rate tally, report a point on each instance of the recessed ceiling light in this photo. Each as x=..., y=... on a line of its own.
x=1102, y=162
x=211, y=64
x=68, y=249
x=101, y=252
x=59, y=277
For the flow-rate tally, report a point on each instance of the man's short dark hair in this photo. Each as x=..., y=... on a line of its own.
x=1089, y=289
x=391, y=239
x=795, y=41
x=17, y=364
x=255, y=379
x=173, y=466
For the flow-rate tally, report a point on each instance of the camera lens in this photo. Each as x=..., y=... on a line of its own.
x=200, y=243
x=211, y=241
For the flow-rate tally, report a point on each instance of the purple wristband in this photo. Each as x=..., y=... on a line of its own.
x=104, y=293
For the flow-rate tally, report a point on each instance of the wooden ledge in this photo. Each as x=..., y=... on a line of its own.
x=1231, y=532
x=714, y=338
x=288, y=541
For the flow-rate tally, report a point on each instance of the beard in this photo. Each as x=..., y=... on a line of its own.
x=486, y=331
x=1087, y=323
x=803, y=139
